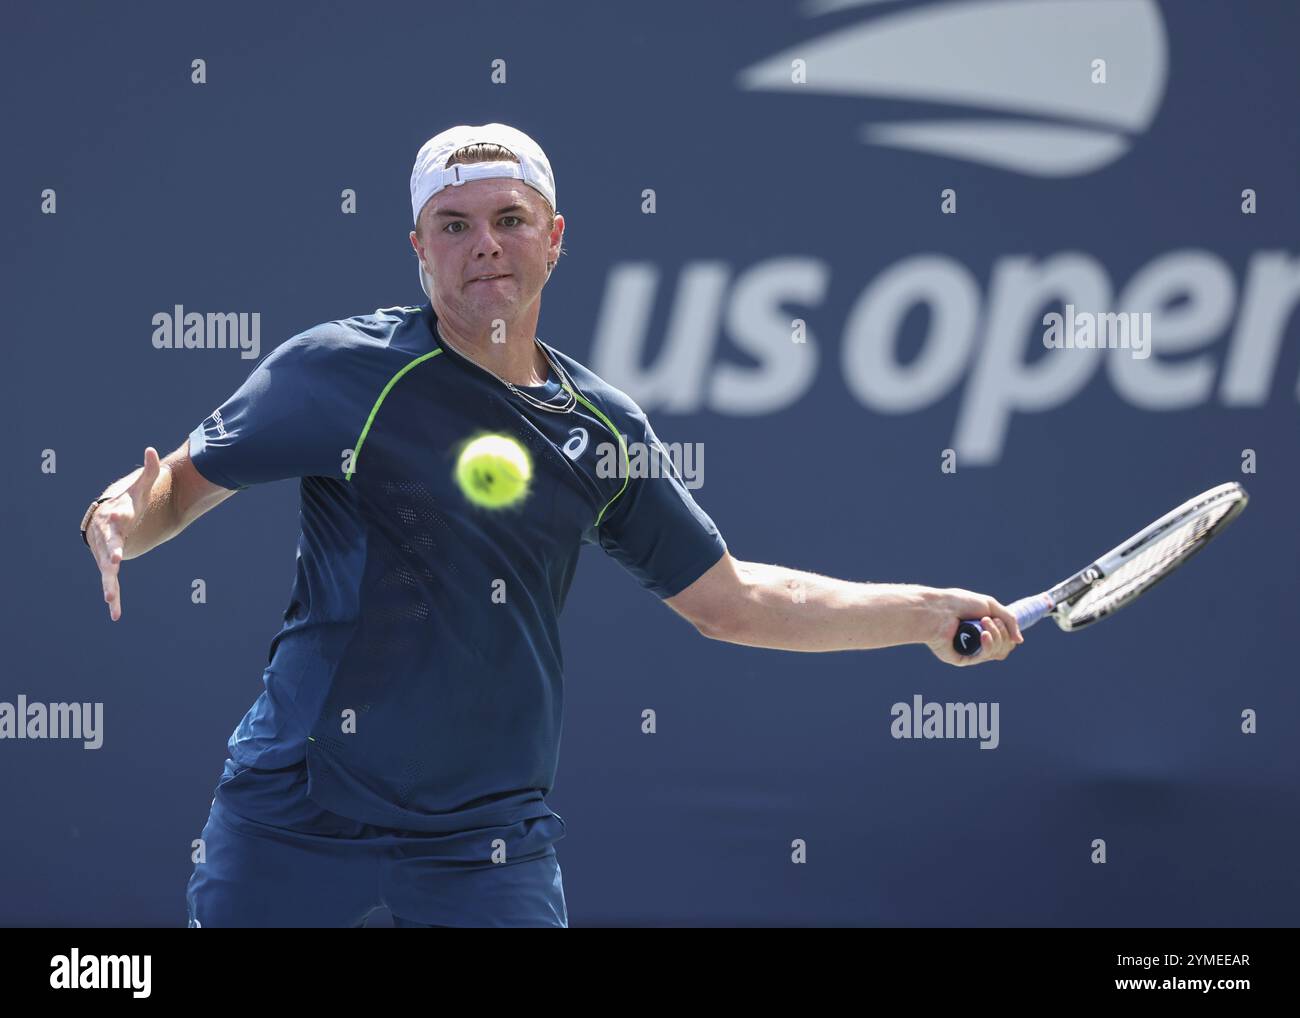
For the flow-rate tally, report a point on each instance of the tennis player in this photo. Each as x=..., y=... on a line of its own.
x=402, y=749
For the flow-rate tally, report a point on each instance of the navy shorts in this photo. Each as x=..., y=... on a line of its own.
x=309, y=867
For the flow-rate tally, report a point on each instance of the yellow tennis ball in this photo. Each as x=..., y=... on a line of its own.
x=493, y=471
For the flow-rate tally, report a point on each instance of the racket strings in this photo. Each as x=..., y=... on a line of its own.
x=1148, y=566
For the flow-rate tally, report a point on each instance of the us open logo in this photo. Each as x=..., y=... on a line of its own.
x=1026, y=68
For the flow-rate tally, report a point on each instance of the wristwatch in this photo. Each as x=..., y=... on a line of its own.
x=85, y=520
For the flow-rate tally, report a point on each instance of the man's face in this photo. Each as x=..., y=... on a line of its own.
x=487, y=227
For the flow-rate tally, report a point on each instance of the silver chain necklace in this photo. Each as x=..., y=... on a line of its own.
x=565, y=381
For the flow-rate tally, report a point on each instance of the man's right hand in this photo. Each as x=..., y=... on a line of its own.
x=111, y=525
x=949, y=607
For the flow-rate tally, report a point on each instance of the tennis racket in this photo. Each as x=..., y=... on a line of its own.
x=1125, y=572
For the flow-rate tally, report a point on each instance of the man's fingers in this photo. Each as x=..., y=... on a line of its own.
x=1000, y=632
x=108, y=556
x=111, y=561
x=1005, y=643
x=112, y=593
x=106, y=542
x=995, y=632
x=144, y=483
x=1013, y=627
x=995, y=642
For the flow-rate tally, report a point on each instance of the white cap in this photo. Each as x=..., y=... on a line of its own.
x=431, y=173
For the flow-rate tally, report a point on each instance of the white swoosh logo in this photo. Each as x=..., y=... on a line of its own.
x=576, y=445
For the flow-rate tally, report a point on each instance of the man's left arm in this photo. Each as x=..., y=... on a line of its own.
x=760, y=605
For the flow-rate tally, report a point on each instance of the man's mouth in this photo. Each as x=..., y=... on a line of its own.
x=480, y=279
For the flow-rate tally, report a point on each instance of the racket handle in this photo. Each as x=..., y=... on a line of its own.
x=1028, y=610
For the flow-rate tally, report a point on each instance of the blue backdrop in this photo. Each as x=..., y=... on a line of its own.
x=798, y=156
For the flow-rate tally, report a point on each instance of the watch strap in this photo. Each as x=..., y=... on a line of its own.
x=90, y=511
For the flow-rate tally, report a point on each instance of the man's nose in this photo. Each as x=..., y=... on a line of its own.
x=485, y=240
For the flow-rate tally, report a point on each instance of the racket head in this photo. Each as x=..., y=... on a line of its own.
x=1148, y=557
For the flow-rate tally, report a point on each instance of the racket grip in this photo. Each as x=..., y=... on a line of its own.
x=1028, y=610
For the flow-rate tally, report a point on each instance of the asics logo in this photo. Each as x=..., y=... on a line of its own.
x=576, y=444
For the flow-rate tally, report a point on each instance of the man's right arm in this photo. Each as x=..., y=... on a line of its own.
x=149, y=506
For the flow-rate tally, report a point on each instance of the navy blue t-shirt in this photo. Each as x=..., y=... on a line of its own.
x=418, y=671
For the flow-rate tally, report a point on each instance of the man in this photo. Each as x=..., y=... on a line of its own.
x=408, y=732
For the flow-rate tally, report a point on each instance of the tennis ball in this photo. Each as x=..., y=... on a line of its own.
x=493, y=471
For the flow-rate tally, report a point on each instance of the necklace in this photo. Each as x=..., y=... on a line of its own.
x=571, y=399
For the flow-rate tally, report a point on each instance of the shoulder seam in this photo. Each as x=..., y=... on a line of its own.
x=374, y=410
x=622, y=446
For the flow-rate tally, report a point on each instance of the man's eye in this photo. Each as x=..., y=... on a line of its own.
x=456, y=222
